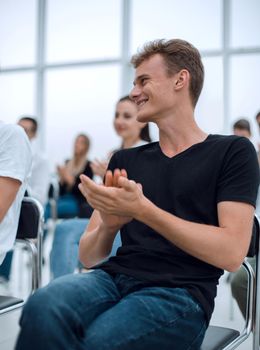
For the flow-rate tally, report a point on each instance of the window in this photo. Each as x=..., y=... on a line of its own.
x=81, y=100
x=83, y=29
x=18, y=33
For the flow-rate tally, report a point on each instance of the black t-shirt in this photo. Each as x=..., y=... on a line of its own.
x=188, y=185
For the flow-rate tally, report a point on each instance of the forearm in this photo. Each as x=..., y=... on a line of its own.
x=95, y=245
x=8, y=189
x=218, y=246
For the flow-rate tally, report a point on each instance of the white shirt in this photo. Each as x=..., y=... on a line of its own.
x=38, y=184
x=15, y=162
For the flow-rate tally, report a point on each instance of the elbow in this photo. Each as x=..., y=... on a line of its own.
x=233, y=268
x=234, y=263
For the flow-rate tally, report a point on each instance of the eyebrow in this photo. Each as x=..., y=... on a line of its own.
x=140, y=77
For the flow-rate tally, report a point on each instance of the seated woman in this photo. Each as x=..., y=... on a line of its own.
x=64, y=254
x=70, y=200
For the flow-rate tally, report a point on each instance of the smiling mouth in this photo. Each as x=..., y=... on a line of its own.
x=141, y=103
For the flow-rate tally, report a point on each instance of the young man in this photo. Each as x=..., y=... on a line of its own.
x=15, y=167
x=184, y=207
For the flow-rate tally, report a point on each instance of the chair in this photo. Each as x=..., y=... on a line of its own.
x=221, y=338
x=29, y=233
x=53, y=195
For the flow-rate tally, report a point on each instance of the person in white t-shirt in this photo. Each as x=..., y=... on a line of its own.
x=38, y=182
x=15, y=167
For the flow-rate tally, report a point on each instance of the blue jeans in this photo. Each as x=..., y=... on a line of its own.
x=64, y=254
x=67, y=207
x=94, y=311
x=5, y=267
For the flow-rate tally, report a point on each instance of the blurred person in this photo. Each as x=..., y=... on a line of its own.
x=132, y=133
x=184, y=207
x=64, y=254
x=38, y=182
x=15, y=168
x=242, y=128
x=70, y=199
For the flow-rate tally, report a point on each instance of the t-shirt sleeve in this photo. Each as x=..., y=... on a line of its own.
x=239, y=176
x=15, y=153
x=114, y=161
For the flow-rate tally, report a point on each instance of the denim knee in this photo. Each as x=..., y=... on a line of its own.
x=35, y=311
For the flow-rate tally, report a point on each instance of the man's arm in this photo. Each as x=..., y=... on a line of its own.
x=224, y=246
x=8, y=190
x=96, y=242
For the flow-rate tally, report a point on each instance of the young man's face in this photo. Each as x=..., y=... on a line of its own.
x=153, y=90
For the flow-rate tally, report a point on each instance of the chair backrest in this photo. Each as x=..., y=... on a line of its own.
x=29, y=232
x=254, y=243
x=53, y=189
x=30, y=219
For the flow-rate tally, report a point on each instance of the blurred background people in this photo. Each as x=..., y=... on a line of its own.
x=71, y=201
x=242, y=128
x=64, y=254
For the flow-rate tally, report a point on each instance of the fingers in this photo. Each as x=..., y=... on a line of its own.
x=116, y=176
x=124, y=173
x=111, y=179
x=128, y=185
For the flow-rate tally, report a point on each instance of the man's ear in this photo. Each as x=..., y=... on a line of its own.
x=182, y=79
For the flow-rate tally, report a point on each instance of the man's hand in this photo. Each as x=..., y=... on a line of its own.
x=117, y=201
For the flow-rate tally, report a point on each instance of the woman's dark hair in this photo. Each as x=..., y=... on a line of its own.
x=145, y=133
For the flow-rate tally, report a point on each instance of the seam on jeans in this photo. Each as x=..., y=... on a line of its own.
x=119, y=346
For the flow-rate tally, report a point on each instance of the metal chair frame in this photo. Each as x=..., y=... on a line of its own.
x=252, y=323
x=32, y=239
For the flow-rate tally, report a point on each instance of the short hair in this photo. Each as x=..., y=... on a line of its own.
x=242, y=124
x=32, y=120
x=145, y=132
x=177, y=54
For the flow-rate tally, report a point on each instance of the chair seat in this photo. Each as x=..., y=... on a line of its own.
x=216, y=338
x=7, y=301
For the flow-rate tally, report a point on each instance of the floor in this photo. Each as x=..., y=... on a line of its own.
x=226, y=311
